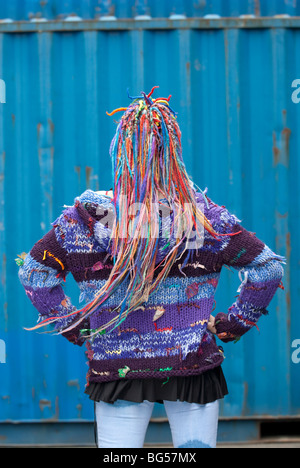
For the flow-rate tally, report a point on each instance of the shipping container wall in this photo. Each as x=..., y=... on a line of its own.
x=58, y=9
x=231, y=83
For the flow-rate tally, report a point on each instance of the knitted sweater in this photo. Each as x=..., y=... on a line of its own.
x=168, y=336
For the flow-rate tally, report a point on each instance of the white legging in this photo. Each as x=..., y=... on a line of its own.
x=124, y=423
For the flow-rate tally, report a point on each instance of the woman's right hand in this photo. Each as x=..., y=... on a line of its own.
x=211, y=326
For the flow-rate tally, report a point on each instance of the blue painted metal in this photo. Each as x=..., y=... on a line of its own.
x=156, y=24
x=231, y=82
x=57, y=9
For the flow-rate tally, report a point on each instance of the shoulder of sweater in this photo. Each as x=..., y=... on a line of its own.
x=220, y=215
x=100, y=197
x=96, y=197
x=87, y=205
x=78, y=226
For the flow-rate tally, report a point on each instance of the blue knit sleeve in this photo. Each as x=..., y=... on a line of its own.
x=43, y=272
x=260, y=272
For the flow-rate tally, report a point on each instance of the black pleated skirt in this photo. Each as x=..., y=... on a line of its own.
x=202, y=389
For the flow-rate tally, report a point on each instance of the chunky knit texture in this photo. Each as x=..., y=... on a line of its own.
x=168, y=336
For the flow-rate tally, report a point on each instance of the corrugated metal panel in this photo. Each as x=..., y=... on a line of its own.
x=58, y=9
x=232, y=89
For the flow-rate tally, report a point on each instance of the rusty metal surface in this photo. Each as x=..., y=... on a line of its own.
x=155, y=24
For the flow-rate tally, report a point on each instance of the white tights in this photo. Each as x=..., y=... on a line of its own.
x=124, y=423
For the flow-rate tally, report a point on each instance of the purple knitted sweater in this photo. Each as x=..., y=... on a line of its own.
x=177, y=343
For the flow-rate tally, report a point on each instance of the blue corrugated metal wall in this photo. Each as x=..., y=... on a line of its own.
x=231, y=81
x=55, y=9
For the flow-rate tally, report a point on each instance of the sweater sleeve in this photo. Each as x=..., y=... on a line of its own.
x=43, y=273
x=260, y=272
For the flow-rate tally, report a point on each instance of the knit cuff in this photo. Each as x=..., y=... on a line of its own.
x=230, y=328
x=74, y=337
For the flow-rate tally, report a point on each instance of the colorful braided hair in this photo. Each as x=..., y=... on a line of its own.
x=147, y=162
